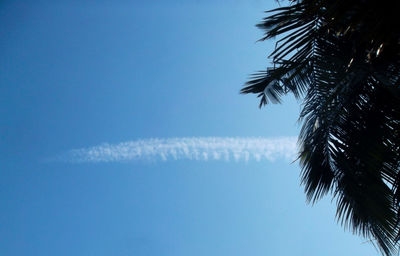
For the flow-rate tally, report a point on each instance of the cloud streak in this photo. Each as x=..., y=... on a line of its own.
x=189, y=148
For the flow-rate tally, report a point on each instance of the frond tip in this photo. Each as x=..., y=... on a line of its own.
x=267, y=87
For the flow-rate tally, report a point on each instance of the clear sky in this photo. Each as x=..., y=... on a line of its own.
x=77, y=74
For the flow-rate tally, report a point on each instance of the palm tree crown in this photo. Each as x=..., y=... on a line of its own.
x=342, y=59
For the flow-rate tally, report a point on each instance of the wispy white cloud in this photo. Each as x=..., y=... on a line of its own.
x=190, y=148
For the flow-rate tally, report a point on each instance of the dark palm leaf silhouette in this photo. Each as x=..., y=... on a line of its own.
x=342, y=59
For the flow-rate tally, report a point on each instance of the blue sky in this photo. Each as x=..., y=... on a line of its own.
x=76, y=75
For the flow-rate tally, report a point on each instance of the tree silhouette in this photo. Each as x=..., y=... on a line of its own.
x=342, y=59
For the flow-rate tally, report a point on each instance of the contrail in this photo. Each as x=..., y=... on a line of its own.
x=189, y=148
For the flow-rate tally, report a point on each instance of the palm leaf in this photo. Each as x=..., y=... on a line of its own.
x=342, y=58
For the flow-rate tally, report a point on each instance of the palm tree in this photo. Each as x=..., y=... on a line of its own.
x=342, y=59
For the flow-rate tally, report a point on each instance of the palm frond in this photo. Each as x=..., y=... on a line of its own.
x=342, y=58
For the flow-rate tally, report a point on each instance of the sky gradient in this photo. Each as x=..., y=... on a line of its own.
x=78, y=75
